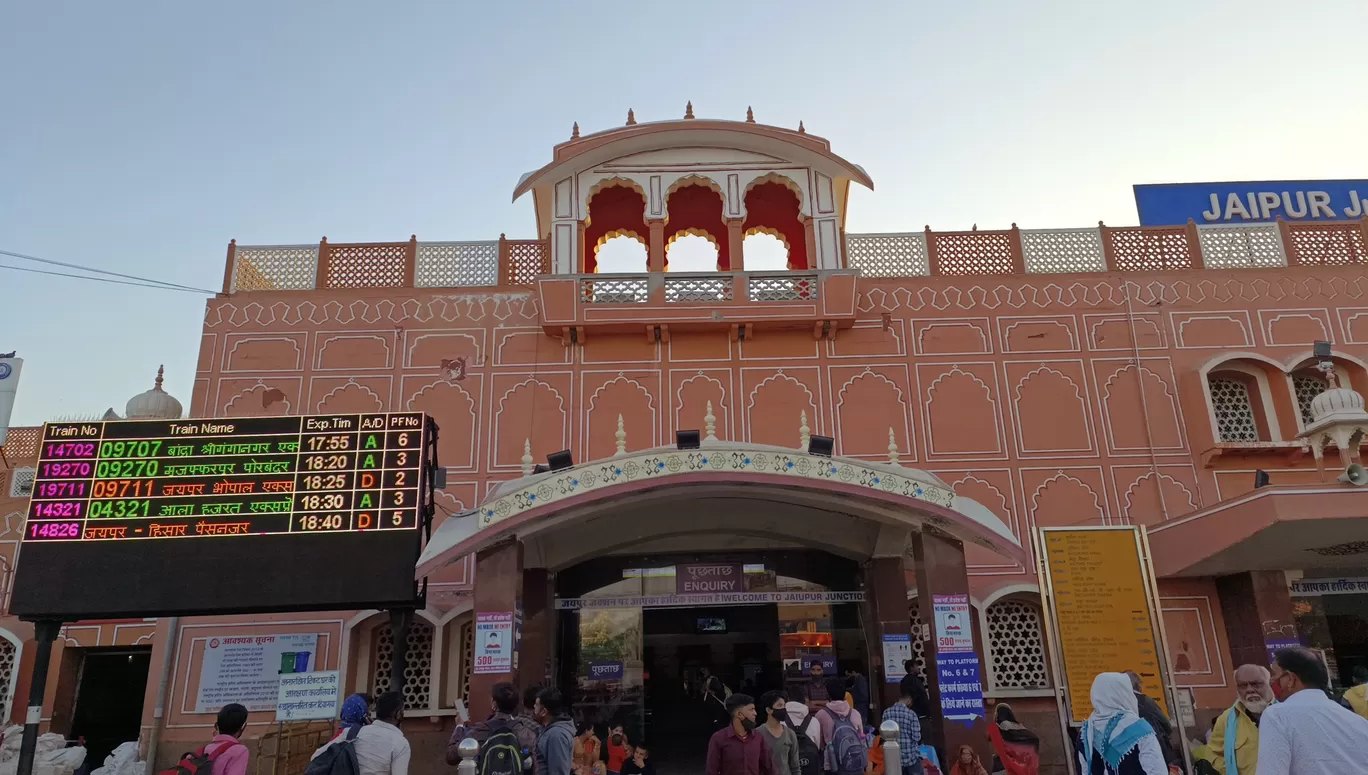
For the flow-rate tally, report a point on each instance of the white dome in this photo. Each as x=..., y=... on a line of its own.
x=155, y=404
x=1336, y=400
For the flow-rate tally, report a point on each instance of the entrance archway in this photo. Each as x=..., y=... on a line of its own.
x=723, y=504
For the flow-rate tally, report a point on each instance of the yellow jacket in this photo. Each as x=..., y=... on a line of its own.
x=1246, y=742
x=1357, y=697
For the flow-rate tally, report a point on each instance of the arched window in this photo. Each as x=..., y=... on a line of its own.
x=418, y=671
x=1016, y=650
x=694, y=207
x=620, y=252
x=1306, y=386
x=773, y=205
x=616, y=209
x=765, y=250
x=691, y=251
x=1234, y=408
x=467, y=640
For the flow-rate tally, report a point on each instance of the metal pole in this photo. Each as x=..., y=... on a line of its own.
x=892, y=750
x=400, y=620
x=469, y=750
x=46, y=631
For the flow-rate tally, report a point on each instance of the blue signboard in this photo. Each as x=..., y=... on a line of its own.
x=961, y=686
x=1172, y=204
x=828, y=662
x=605, y=671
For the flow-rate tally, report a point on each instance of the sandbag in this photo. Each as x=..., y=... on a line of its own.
x=50, y=757
x=122, y=761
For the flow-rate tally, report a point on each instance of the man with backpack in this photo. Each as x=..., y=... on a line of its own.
x=843, y=733
x=808, y=731
x=224, y=755
x=505, y=746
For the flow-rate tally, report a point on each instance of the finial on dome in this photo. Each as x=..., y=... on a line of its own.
x=801, y=130
x=688, y=110
x=621, y=437
x=892, y=448
x=710, y=424
x=161, y=372
x=574, y=131
x=804, y=432
x=631, y=117
x=750, y=115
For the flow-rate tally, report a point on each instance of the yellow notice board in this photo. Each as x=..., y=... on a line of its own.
x=1102, y=610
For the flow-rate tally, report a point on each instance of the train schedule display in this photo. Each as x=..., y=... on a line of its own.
x=226, y=515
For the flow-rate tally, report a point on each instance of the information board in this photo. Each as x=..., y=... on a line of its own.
x=247, y=669
x=1102, y=612
x=217, y=515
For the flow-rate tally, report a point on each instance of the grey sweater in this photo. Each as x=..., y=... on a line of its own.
x=556, y=746
x=784, y=749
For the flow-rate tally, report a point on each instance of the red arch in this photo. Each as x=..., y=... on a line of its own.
x=775, y=206
x=699, y=207
x=612, y=208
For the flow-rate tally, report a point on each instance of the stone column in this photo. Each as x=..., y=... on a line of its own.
x=886, y=584
x=655, y=257
x=539, y=620
x=734, y=247
x=498, y=589
x=1257, y=608
x=941, y=570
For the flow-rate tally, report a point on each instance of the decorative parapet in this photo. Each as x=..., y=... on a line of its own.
x=927, y=253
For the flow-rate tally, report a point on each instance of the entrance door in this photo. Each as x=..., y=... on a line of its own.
x=739, y=645
x=109, y=699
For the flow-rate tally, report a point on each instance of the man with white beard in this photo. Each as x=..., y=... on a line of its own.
x=1235, y=735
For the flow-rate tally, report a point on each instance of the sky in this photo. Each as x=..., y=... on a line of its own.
x=140, y=137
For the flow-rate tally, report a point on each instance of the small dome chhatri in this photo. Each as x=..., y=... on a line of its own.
x=155, y=404
x=1336, y=400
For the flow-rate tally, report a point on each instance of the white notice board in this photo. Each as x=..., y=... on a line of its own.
x=247, y=668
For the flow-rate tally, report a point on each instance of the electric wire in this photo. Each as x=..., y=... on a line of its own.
x=105, y=280
x=161, y=283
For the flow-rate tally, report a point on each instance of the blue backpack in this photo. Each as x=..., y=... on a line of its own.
x=845, y=751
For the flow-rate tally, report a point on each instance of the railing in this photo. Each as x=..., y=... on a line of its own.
x=411, y=264
x=1014, y=251
x=698, y=287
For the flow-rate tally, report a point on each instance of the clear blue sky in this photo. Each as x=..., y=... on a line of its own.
x=142, y=136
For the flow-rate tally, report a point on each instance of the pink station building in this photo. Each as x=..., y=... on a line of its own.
x=974, y=386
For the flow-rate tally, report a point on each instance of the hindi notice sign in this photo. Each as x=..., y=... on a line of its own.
x=703, y=579
x=605, y=671
x=897, y=649
x=1101, y=610
x=954, y=631
x=309, y=696
x=494, y=642
x=247, y=668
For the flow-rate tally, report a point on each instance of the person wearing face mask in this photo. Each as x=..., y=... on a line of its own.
x=618, y=749
x=782, y=740
x=501, y=723
x=556, y=745
x=1306, y=732
x=736, y=749
x=1234, y=740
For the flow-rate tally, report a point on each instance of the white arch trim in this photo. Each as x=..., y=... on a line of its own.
x=1011, y=589
x=1301, y=360
x=1225, y=358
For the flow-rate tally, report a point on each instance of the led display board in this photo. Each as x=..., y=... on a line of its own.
x=226, y=515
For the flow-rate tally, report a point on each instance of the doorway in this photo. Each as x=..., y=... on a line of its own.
x=738, y=644
x=109, y=699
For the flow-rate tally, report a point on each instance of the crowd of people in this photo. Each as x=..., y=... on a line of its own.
x=1283, y=722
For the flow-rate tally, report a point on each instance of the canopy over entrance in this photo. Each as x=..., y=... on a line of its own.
x=1272, y=528
x=724, y=495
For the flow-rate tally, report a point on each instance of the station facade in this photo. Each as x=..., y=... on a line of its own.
x=973, y=386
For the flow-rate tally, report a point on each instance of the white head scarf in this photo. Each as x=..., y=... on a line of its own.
x=1115, y=728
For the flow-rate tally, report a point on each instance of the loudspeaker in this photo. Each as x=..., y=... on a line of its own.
x=687, y=439
x=821, y=446
x=1355, y=474
x=560, y=461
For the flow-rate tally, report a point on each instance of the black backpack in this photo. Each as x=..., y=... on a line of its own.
x=198, y=762
x=809, y=756
x=501, y=754
x=338, y=758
